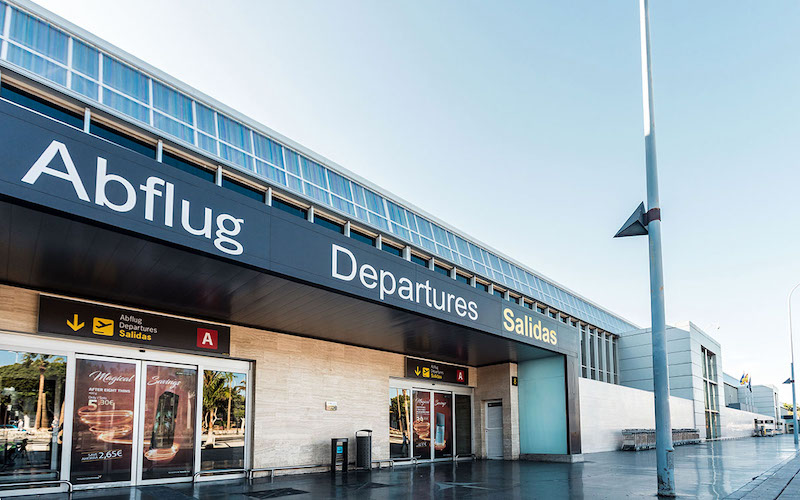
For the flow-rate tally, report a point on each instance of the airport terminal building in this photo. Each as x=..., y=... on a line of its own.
x=187, y=295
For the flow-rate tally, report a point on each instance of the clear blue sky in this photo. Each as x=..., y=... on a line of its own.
x=521, y=123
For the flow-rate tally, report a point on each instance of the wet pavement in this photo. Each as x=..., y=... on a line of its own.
x=710, y=470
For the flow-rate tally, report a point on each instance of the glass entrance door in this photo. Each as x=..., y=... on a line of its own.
x=144, y=422
x=222, y=421
x=167, y=420
x=104, y=428
x=433, y=425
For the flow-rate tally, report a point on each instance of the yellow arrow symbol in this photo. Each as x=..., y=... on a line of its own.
x=417, y=371
x=74, y=323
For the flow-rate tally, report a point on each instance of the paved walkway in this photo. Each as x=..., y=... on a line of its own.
x=780, y=482
x=712, y=470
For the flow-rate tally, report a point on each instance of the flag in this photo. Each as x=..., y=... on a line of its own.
x=788, y=380
x=749, y=384
x=745, y=379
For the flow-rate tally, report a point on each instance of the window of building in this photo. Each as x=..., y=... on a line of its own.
x=34, y=103
x=389, y=248
x=329, y=224
x=498, y=293
x=515, y=299
x=289, y=209
x=441, y=270
x=123, y=140
x=369, y=240
x=584, y=354
x=540, y=309
x=181, y=164
x=529, y=305
x=710, y=393
x=552, y=314
x=462, y=278
x=416, y=259
x=482, y=286
x=243, y=189
x=592, y=354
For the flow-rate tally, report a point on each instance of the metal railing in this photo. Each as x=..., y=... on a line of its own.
x=3, y=486
x=218, y=471
x=271, y=470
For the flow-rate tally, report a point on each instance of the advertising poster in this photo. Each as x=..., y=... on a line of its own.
x=422, y=424
x=443, y=425
x=102, y=441
x=169, y=422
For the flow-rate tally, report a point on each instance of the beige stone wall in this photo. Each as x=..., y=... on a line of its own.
x=295, y=376
x=19, y=309
x=495, y=383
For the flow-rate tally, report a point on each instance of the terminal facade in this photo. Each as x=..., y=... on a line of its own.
x=187, y=295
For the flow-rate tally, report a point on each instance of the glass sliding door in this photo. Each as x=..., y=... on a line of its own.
x=443, y=425
x=422, y=424
x=223, y=418
x=31, y=415
x=168, y=421
x=103, y=423
x=399, y=423
x=463, y=426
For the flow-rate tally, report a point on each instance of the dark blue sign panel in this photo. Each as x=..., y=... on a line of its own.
x=50, y=164
x=56, y=166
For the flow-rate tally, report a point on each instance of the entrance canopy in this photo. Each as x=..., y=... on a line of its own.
x=85, y=217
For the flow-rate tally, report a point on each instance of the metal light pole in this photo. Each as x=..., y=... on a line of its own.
x=664, y=450
x=791, y=343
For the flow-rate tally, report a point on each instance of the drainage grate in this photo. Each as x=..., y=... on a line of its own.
x=278, y=492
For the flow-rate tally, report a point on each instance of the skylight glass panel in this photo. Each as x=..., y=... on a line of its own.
x=268, y=150
x=172, y=102
x=125, y=79
x=39, y=36
x=234, y=133
x=85, y=59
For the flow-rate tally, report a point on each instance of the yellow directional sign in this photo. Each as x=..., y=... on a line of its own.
x=102, y=326
x=426, y=372
x=417, y=371
x=74, y=323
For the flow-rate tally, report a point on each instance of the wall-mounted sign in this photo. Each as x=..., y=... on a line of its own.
x=514, y=381
x=331, y=406
x=436, y=372
x=527, y=325
x=129, y=326
x=84, y=178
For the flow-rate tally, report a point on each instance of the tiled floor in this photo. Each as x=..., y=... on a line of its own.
x=713, y=470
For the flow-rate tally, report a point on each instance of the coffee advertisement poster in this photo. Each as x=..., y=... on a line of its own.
x=422, y=424
x=102, y=436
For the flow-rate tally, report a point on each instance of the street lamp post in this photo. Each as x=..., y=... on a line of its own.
x=648, y=222
x=791, y=343
x=664, y=450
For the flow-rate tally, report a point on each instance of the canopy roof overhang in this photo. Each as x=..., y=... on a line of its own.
x=84, y=217
x=45, y=250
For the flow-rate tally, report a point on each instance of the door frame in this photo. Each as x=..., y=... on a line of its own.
x=420, y=385
x=486, y=428
x=72, y=349
x=139, y=445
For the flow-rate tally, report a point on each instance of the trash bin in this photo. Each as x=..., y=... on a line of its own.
x=338, y=454
x=364, y=449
